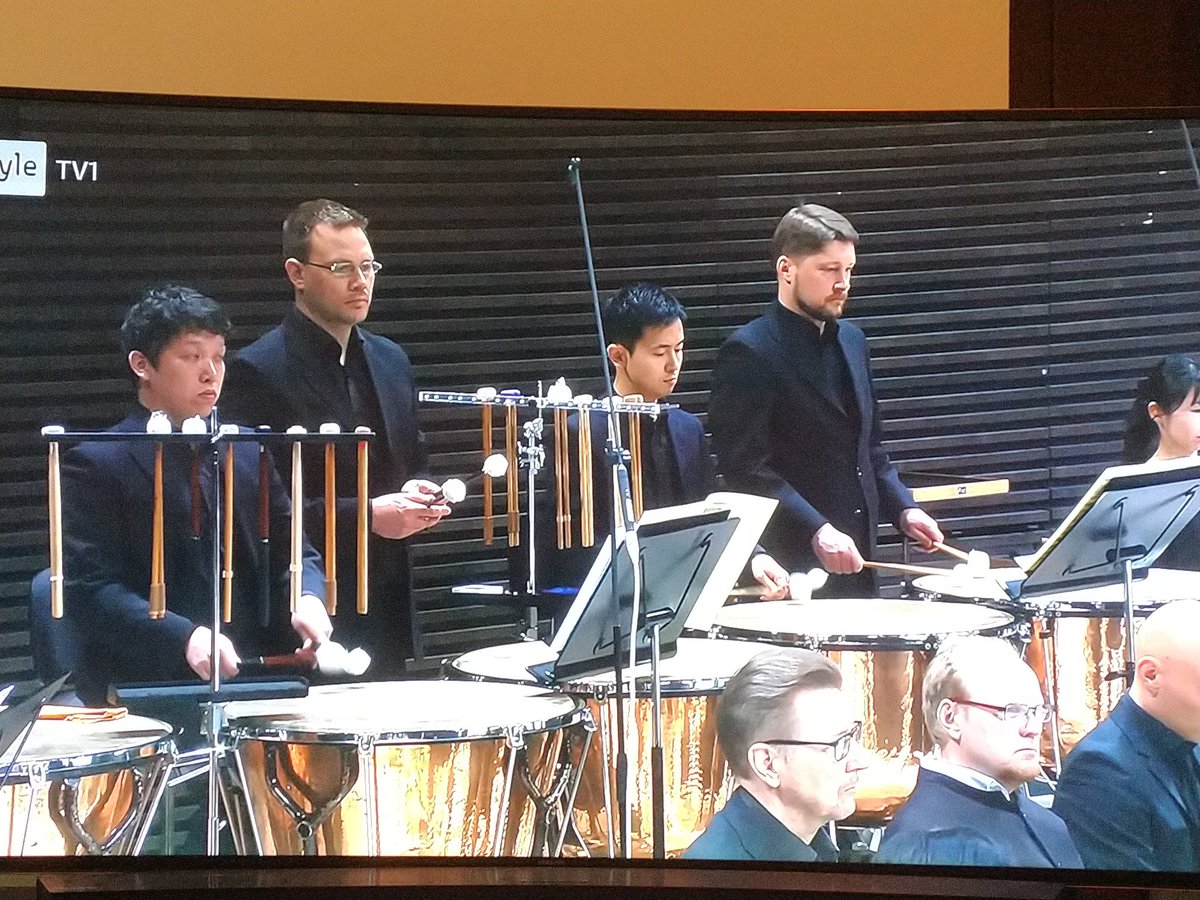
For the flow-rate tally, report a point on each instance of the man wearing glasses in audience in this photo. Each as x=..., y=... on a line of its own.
x=321, y=366
x=984, y=708
x=788, y=733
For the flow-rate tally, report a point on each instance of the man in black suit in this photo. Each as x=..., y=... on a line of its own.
x=644, y=327
x=786, y=728
x=174, y=341
x=1130, y=790
x=794, y=415
x=321, y=366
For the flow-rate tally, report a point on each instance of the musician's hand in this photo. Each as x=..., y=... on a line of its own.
x=198, y=653
x=310, y=620
x=419, y=486
x=771, y=575
x=400, y=515
x=921, y=527
x=836, y=552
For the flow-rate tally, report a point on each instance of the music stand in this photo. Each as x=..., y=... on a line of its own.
x=684, y=554
x=1120, y=526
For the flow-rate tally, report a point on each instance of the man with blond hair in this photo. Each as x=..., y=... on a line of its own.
x=984, y=708
x=789, y=735
x=1130, y=790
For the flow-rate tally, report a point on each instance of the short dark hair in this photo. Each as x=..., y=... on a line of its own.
x=805, y=229
x=165, y=312
x=760, y=695
x=298, y=226
x=629, y=312
x=1169, y=384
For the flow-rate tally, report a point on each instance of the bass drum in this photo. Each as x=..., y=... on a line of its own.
x=882, y=648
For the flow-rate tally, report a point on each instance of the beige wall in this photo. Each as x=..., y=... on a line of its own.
x=664, y=54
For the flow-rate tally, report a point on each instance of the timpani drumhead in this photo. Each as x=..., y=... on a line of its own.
x=60, y=748
x=959, y=587
x=868, y=624
x=403, y=712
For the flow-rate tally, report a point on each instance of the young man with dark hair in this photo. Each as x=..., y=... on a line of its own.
x=794, y=415
x=174, y=343
x=643, y=325
x=321, y=366
x=786, y=729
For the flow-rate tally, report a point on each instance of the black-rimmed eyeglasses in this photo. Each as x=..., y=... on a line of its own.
x=366, y=269
x=840, y=744
x=1011, y=712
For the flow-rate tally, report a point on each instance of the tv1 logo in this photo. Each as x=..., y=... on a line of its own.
x=23, y=169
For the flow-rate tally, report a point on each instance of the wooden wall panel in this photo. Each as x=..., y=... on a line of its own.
x=1015, y=277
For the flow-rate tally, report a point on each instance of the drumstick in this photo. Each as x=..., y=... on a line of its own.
x=488, y=526
x=953, y=551
x=364, y=525
x=158, y=587
x=54, y=507
x=903, y=568
x=227, y=570
x=330, y=520
x=587, y=515
x=510, y=450
x=295, y=586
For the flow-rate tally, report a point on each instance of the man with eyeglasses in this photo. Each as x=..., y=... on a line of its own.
x=1130, y=790
x=321, y=366
x=788, y=733
x=984, y=708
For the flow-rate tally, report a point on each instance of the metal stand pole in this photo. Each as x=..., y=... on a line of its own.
x=534, y=457
x=1131, y=638
x=657, y=789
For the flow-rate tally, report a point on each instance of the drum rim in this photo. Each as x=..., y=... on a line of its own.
x=80, y=765
x=251, y=730
x=864, y=642
x=699, y=685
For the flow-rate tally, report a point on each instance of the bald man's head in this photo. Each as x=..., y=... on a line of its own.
x=1166, y=683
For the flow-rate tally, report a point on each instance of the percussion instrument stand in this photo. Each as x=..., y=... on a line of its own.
x=623, y=525
x=534, y=458
x=214, y=710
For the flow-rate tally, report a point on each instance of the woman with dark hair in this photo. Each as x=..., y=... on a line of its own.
x=1164, y=423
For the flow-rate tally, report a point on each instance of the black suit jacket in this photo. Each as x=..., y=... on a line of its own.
x=697, y=478
x=1123, y=795
x=778, y=435
x=282, y=380
x=743, y=829
x=947, y=823
x=107, y=515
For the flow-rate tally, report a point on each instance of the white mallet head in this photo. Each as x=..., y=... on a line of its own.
x=158, y=423
x=559, y=392
x=496, y=465
x=454, y=490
